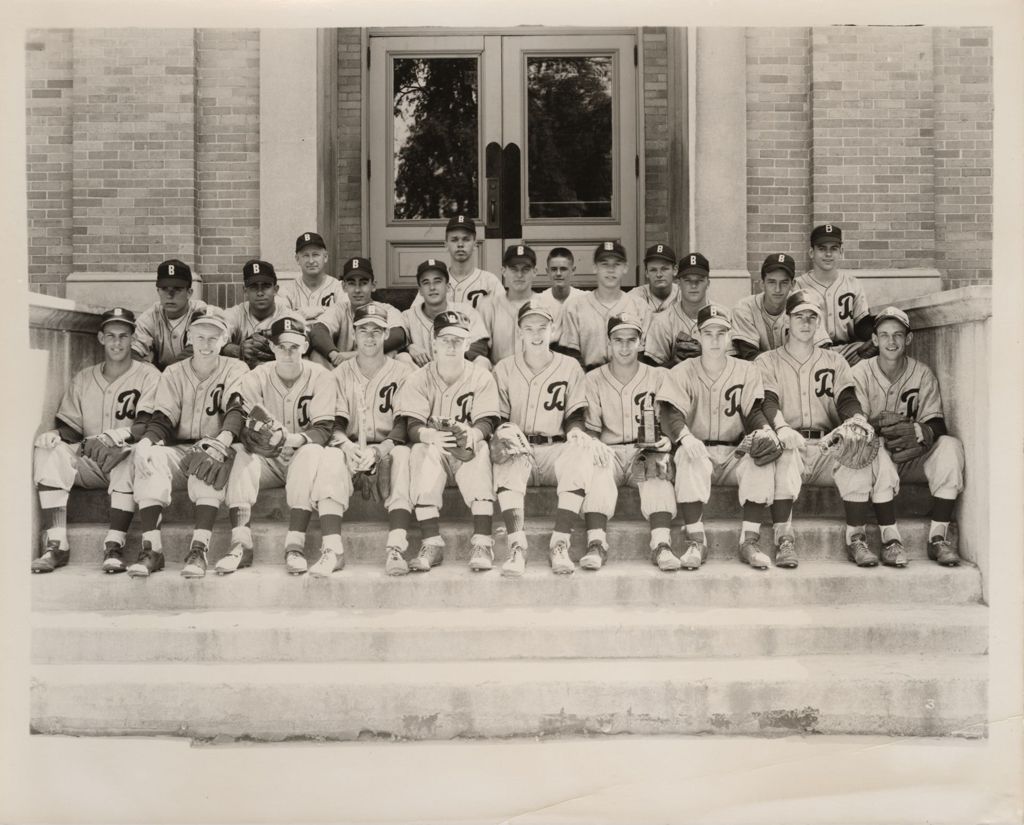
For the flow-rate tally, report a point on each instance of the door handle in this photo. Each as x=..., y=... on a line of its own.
x=492, y=191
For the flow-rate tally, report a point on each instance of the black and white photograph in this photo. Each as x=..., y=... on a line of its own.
x=540, y=415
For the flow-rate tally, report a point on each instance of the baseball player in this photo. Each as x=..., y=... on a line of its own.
x=249, y=322
x=585, y=321
x=500, y=311
x=108, y=403
x=368, y=431
x=893, y=382
x=432, y=280
x=618, y=396
x=759, y=321
x=661, y=290
x=315, y=289
x=332, y=336
x=672, y=334
x=160, y=331
x=300, y=396
x=542, y=393
x=190, y=403
x=708, y=403
x=459, y=395
x=468, y=283
x=560, y=267
x=847, y=320
x=809, y=391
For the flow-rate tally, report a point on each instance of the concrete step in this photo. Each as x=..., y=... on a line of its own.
x=298, y=635
x=912, y=502
x=851, y=694
x=364, y=542
x=721, y=583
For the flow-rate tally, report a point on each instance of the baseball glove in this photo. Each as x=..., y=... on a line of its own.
x=900, y=435
x=105, y=451
x=763, y=446
x=210, y=461
x=462, y=451
x=508, y=443
x=648, y=465
x=262, y=434
x=852, y=444
x=685, y=347
x=375, y=483
x=256, y=350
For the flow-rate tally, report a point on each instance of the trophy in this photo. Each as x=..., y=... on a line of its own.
x=649, y=432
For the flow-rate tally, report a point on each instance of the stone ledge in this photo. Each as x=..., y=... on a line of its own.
x=62, y=315
x=954, y=306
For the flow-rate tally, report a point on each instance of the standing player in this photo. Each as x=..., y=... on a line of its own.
x=315, y=289
x=468, y=284
x=368, y=432
x=191, y=401
x=759, y=321
x=660, y=291
x=708, y=404
x=809, y=391
x=672, y=336
x=160, y=331
x=846, y=306
x=500, y=312
x=903, y=389
x=585, y=320
x=249, y=322
x=560, y=267
x=103, y=408
x=462, y=398
x=300, y=396
x=542, y=393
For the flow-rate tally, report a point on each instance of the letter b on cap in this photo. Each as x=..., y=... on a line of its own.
x=693, y=260
x=170, y=269
x=782, y=259
x=828, y=227
x=255, y=269
x=287, y=325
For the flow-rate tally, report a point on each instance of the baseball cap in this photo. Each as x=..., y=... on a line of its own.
x=519, y=253
x=713, y=314
x=660, y=252
x=694, y=262
x=357, y=266
x=118, y=314
x=533, y=308
x=460, y=222
x=892, y=314
x=609, y=248
x=174, y=273
x=258, y=272
x=309, y=239
x=432, y=265
x=288, y=328
x=451, y=322
x=211, y=316
x=826, y=232
x=371, y=313
x=779, y=260
x=800, y=300
x=625, y=320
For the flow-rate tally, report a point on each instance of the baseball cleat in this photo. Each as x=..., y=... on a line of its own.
x=595, y=556
x=430, y=555
x=482, y=558
x=195, y=561
x=295, y=560
x=561, y=561
x=751, y=553
x=859, y=553
x=665, y=559
x=941, y=551
x=691, y=558
x=53, y=556
x=395, y=563
x=149, y=561
x=113, y=557
x=329, y=562
x=515, y=565
x=785, y=553
x=236, y=558
x=893, y=554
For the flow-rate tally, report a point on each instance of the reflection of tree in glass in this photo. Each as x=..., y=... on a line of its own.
x=436, y=148
x=570, y=136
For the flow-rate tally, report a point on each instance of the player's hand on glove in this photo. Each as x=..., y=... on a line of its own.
x=442, y=439
x=291, y=443
x=338, y=357
x=852, y=444
x=255, y=349
x=763, y=445
x=48, y=440
x=864, y=351
x=693, y=448
x=420, y=357
x=790, y=438
x=144, y=456
x=106, y=449
x=508, y=443
x=904, y=439
x=685, y=347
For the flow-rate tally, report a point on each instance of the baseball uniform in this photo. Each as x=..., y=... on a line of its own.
x=556, y=308
x=297, y=296
x=499, y=316
x=844, y=301
x=754, y=325
x=420, y=328
x=242, y=324
x=585, y=325
x=659, y=343
x=645, y=301
x=338, y=320
x=472, y=289
x=161, y=339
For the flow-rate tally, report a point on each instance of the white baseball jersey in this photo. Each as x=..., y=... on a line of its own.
x=714, y=407
x=375, y=397
x=557, y=308
x=807, y=391
x=540, y=402
x=297, y=296
x=472, y=289
x=585, y=325
x=420, y=328
x=753, y=325
x=425, y=394
x=309, y=400
x=242, y=324
x=159, y=338
x=500, y=317
x=844, y=301
x=646, y=301
x=662, y=331
x=915, y=393
x=195, y=406
x=338, y=320
x=613, y=408
x=93, y=405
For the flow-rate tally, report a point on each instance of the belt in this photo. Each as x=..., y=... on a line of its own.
x=811, y=433
x=721, y=443
x=545, y=439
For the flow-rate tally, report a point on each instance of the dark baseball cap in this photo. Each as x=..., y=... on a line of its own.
x=258, y=272
x=713, y=314
x=660, y=252
x=119, y=315
x=432, y=265
x=460, y=222
x=607, y=249
x=357, y=266
x=451, y=322
x=826, y=232
x=893, y=314
x=174, y=273
x=533, y=308
x=309, y=239
x=779, y=260
x=625, y=320
x=519, y=253
x=800, y=300
x=694, y=262
x=288, y=328
x=371, y=313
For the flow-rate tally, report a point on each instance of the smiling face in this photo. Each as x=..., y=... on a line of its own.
x=693, y=289
x=535, y=332
x=434, y=288
x=116, y=340
x=803, y=325
x=660, y=275
x=826, y=256
x=370, y=340
x=777, y=285
x=206, y=340
x=359, y=289
x=459, y=243
x=174, y=300
x=312, y=260
x=610, y=271
x=891, y=338
x=624, y=347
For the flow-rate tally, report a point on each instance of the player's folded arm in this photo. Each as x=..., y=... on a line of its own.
x=577, y=420
x=673, y=421
x=863, y=329
x=159, y=428
x=772, y=409
x=321, y=340
x=745, y=351
x=67, y=433
x=480, y=348
x=396, y=340
x=755, y=419
x=848, y=405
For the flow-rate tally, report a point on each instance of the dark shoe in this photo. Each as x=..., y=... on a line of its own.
x=859, y=552
x=785, y=553
x=751, y=553
x=113, y=557
x=942, y=551
x=149, y=561
x=664, y=559
x=430, y=555
x=195, y=561
x=893, y=554
x=595, y=557
x=53, y=556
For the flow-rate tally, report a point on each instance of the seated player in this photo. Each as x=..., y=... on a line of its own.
x=418, y=320
x=104, y=408
x=809, y=391
x=160, y=331
x=315, y=289
x=500, y=311
x=249, y=322
x=759, y=321
x=900, y=396
x=451, y=406
x=468, y=283
x=300, y=397
x=672, y=335
x=369, y=439
x=660, y=291
x=585, y=321
x=190, y=405
x=541, y=393
x=620, y=395
x=708, y=403
x=332, y=336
